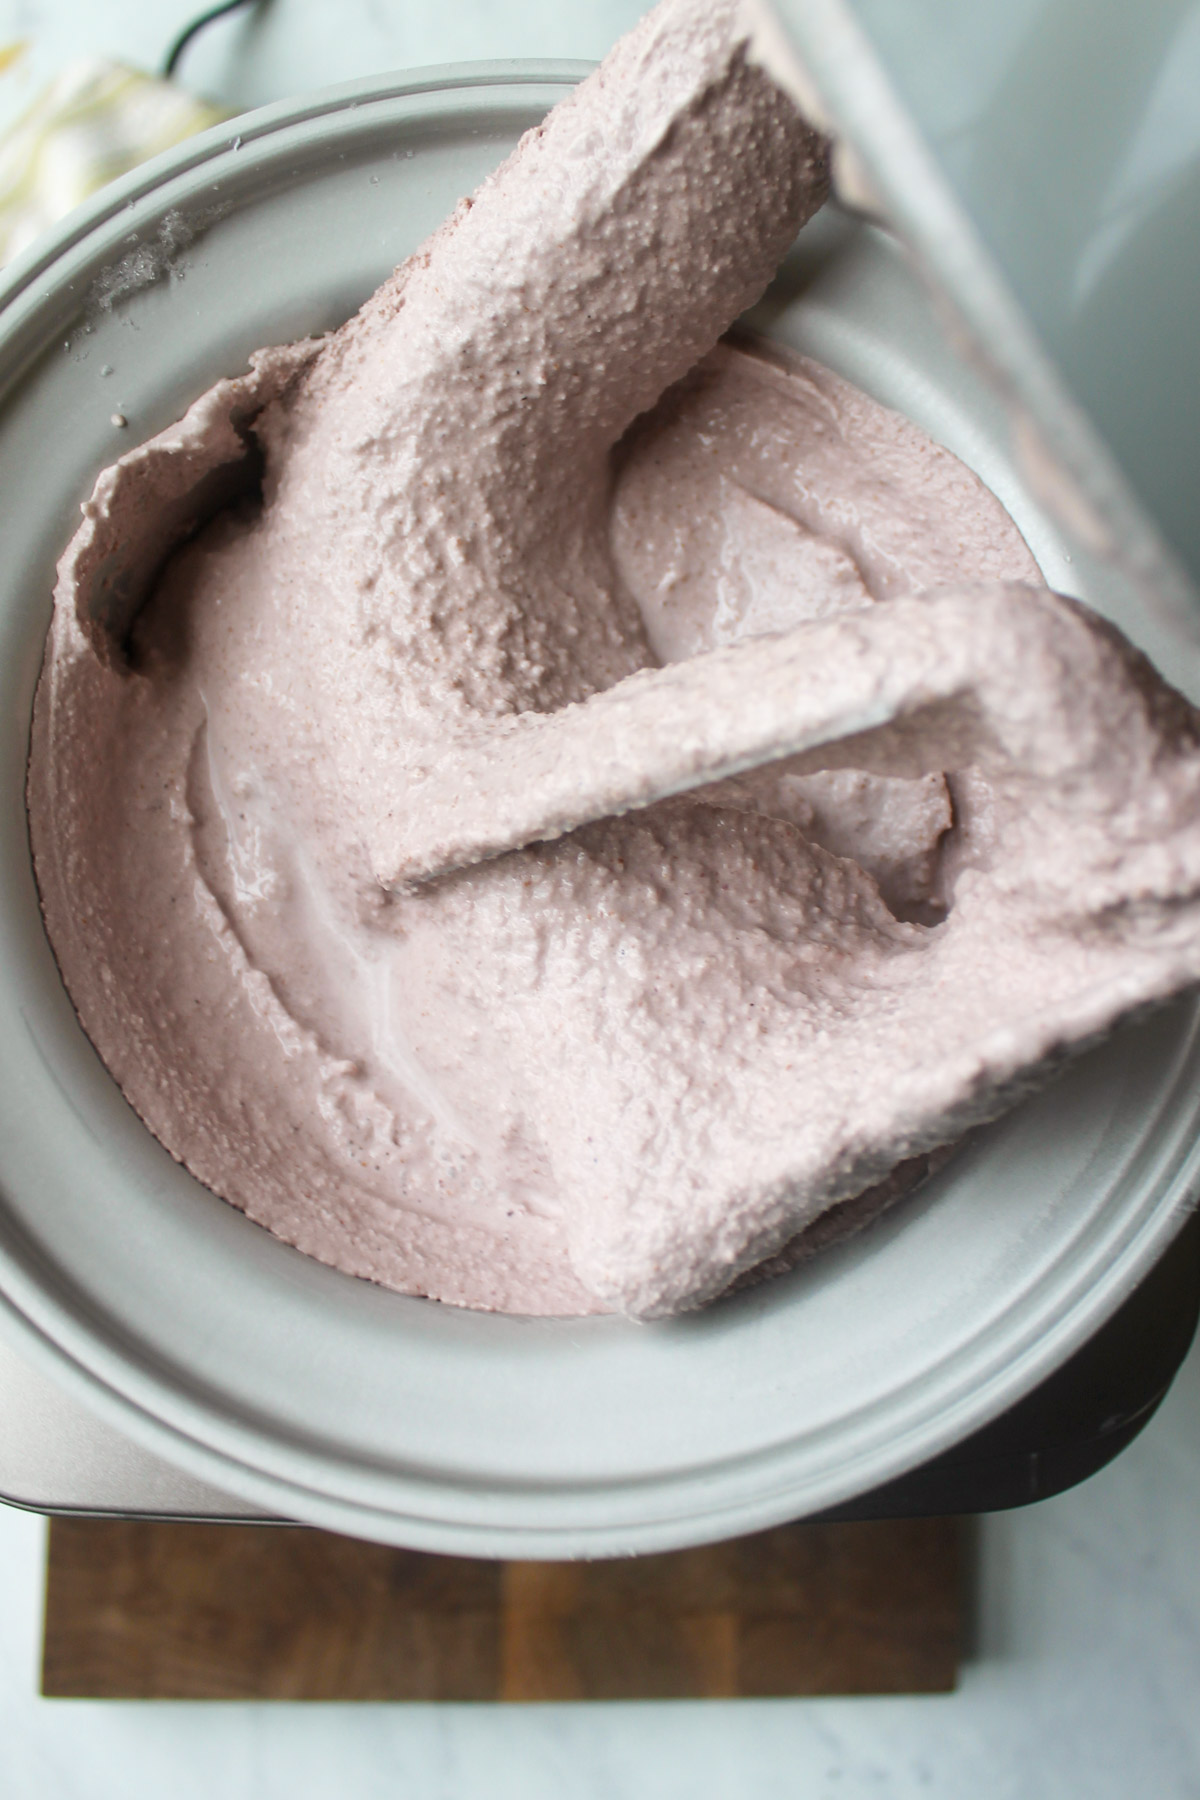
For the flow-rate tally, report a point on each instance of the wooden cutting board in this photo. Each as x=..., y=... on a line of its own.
x=147, y=1610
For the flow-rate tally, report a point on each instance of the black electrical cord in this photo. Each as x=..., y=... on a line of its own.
x=171, y=60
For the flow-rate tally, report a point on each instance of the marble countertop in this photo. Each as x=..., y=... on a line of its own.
x=1084, y=1670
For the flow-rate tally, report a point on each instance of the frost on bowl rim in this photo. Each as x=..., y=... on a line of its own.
x=327, y=1400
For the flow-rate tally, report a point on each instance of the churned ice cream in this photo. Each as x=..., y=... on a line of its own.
x=526, y=497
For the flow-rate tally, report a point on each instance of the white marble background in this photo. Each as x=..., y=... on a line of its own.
x=1084, y=1678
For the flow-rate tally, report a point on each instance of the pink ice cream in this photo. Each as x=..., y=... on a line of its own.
x=620, y=1069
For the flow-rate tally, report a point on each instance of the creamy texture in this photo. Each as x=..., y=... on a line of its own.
x=865, y=509
x=620, y=1069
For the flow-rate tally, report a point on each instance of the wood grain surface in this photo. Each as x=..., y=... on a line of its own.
x=147, y=1610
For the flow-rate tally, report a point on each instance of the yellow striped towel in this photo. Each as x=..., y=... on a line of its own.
x=96, y=120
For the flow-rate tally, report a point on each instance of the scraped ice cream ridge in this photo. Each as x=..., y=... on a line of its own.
x=520, y=492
